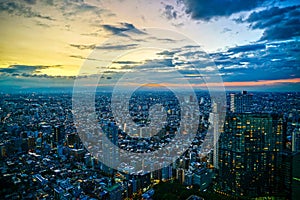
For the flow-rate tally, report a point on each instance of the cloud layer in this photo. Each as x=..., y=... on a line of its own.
x=277, y=23
x=209, y=9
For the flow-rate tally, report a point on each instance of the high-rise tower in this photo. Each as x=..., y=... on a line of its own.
x=250, y=154
x=240, y=102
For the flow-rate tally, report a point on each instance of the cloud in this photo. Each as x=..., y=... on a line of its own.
x=249, y=47
x=167, y=40
x=122, y=27
x=84, y=58
x=154, y=64
x=75, y=8
x=126, y=62
x=167, y=53
x=169, y=12
x=208, y=9
x=225, y=30
x=17, y=77
x=117, y=46
x=20, y=9
x=259, y=61
x=277, y=23
x=24, y=70
x=167, y=62
x=83, y=47
x=107, y=46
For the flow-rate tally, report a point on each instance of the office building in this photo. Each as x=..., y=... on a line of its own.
x=180, y=173
x=240, y=102
x=58, y=134
x=215, y=128
x=73, y=140
x=296, y=137
x=250, y=154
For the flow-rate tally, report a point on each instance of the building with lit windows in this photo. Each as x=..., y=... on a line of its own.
x=58, y=134
x=215, y=128
x=250, y=150
x=240, y=102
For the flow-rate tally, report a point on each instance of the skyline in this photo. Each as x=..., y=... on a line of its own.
x=253, y=44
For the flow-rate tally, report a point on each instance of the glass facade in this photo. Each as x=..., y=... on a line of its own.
x=250, y=154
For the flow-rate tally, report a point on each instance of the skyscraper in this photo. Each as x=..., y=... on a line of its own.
x=215, y=129
x=58, y=133
x=296, y=137
x=250, y=154
x=110, y=153
x=240, y=102
x=291, y=161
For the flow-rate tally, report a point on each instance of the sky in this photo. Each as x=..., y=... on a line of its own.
x=249, y=44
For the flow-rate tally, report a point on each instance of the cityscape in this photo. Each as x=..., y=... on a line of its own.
x=257, y=155
x=150, y=100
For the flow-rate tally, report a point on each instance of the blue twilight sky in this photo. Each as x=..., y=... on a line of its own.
x=254, y=44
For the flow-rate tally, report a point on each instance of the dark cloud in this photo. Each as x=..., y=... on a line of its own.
x=167, y=40
x=167, y=53
x=192, y=46
x=24, y=76
x=83, y=58
x=117, y=46
x=249, y=47
x=277, y=23
x=107, y=46
x=208, y=9
x=78, y=57
x=169, y=12
x=23, y=70
x=126, y=62
x=120, y=29
x=261, y=61
x=168, y=62
x=83, y=47
x=20, y=9
x=148, y=64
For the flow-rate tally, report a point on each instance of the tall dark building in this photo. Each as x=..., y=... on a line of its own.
x=291, y=162
x=250, y=157
x=291, y=174
x=240, y=102
x=296, y=137
x=295, y=192
x=58, y=133
x=73, y=140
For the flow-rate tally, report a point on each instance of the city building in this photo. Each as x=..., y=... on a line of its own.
x=241, y=102
x=180, y=175
x=250, y=154
x=295, y=192
x=296, y=137
x=58, y=133
x=215, y=128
